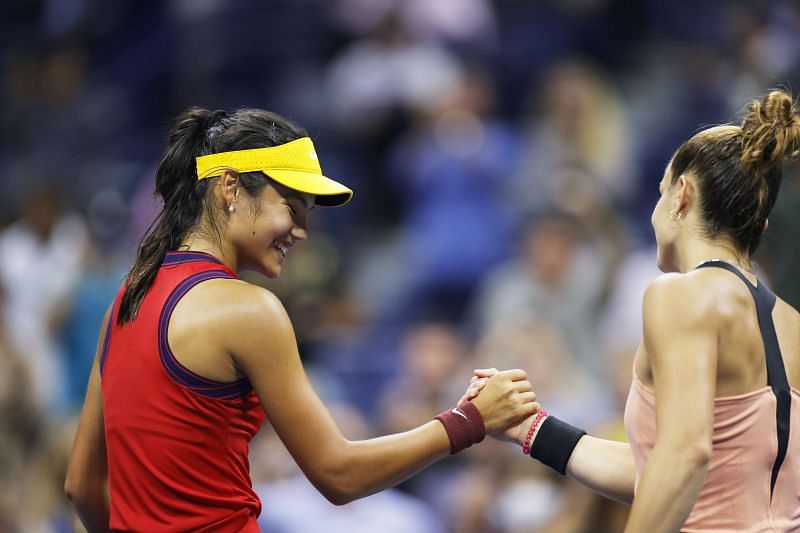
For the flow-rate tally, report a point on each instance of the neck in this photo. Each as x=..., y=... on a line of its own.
x=698, y=251
x=197, y=243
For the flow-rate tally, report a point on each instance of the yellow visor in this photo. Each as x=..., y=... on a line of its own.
x=294, y=165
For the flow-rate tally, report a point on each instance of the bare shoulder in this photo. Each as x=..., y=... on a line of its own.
x=680, y=297
x=233, y=314
x=256, y=329
x=681, y=329
x=236, y=302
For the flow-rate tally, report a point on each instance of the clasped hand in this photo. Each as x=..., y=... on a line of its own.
x=482, y=386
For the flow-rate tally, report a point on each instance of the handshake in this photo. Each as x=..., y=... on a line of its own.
x=505, y=400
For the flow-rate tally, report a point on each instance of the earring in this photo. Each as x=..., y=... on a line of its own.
x=674, y=216
x=230, y=208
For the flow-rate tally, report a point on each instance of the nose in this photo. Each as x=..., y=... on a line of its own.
x=299, y=232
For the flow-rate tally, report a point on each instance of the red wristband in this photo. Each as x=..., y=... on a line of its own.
x=475, y=421
x=464, y=426
x=526, y=444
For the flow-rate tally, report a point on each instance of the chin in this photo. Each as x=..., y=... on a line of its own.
x=266, y=269
x=269, y=271
x=664, y=265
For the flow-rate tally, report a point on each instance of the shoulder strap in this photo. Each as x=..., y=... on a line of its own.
x=776, y=372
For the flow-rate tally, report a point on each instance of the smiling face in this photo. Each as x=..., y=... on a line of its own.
x=263, y=229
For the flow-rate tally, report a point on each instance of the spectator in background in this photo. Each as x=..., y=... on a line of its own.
x=19, y=423
x=557, y=276
x=469, y=24
x=431, y=353
x=579, y=120
x=41, y=260
x=449, y=171
x=385, y=72
x=543, y=349
x=104, y=269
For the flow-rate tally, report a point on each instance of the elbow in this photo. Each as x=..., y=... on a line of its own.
x=339, y=480
x=72, y=489
x=698, y=454
x=81, y=492
x=340, y=489
x=77, y=495
x=77, y=498
x=338, y=497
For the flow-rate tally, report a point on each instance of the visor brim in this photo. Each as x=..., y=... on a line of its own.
x=327, y=192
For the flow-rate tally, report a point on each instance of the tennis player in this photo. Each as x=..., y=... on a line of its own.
x=191, y=359
x=713, y=413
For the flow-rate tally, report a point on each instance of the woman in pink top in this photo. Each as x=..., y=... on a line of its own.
x=713, y=414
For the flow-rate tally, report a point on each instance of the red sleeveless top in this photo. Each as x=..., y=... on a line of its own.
x=177, y=442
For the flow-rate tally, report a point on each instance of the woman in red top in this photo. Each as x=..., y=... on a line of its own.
x=190, y=358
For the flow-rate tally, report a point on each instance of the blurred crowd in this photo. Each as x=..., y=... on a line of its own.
x=505, y=155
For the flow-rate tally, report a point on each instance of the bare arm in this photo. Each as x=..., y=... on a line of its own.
x=605, y=466
x=86, y=485
x=264, y=348
x=680, y=338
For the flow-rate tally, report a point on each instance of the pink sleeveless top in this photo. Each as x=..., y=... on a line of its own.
x=736, y=492
x=753, y=480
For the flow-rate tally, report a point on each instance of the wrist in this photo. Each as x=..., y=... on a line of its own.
x=464, y=426
x=532, y=429
x=526, y=426
x=555, y=442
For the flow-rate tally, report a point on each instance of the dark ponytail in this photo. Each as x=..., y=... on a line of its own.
x=194, y=133
x=739, y=168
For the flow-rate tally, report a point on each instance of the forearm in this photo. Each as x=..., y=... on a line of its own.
x=668, y=490
x=605, y=466
x=360, y=468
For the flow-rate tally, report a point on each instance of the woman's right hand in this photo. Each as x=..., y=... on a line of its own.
x=506, y=399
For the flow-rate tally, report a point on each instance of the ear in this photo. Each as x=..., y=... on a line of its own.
x=687, y=192
x=229, y=186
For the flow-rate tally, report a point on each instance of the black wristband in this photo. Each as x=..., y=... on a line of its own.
x=554, y=443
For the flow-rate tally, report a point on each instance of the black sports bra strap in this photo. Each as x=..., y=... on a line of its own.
x=776, y=372
x=730, y=268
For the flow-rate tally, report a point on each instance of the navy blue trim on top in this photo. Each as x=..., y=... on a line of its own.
x=107, y=340
x=776, y=372
x=175, y=370
x=176, y=258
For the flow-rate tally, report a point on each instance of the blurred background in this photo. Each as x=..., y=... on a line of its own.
x=505, y=155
